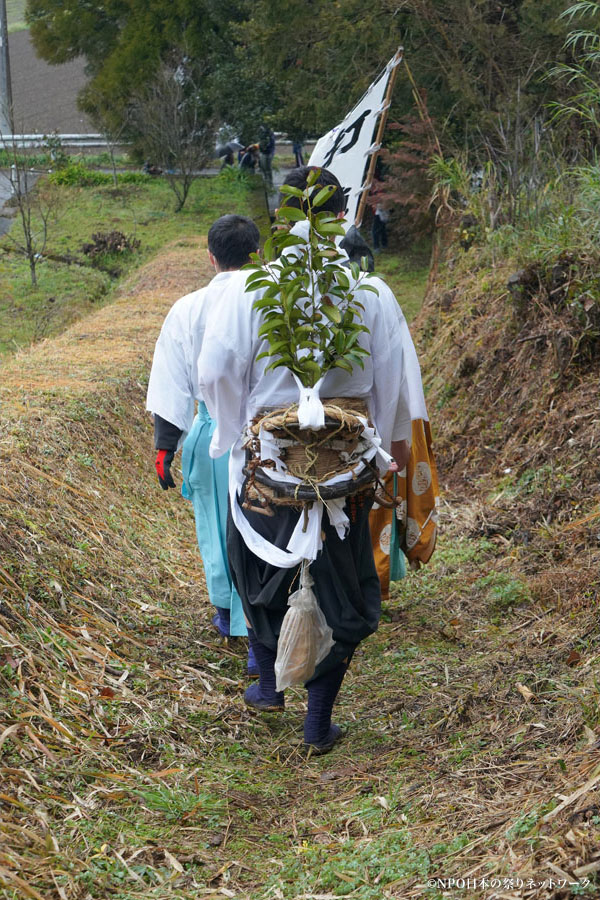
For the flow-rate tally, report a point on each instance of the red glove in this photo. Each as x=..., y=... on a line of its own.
x=164, y=458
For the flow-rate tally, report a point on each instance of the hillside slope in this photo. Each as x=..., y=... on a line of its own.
x=129, y=766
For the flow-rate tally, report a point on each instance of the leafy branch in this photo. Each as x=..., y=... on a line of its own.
x=311, y=317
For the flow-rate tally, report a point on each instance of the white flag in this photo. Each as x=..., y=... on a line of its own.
x=345, y=150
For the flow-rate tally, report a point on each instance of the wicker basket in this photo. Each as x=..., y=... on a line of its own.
x=313, y=456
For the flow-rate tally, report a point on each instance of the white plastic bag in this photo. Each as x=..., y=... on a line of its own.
x=305, y=638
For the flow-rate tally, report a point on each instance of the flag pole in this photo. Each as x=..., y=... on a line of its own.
x=380, y=129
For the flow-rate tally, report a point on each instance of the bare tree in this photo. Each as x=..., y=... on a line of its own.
x=112, y=129
x=37, y=205
x=175, y=130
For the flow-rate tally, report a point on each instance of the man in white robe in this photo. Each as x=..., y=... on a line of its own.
x=264, y=552
x=173, y=392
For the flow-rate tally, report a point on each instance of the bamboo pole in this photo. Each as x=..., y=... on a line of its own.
x=378, y=138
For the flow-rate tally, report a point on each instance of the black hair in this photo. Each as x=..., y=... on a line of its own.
x=231, y=240
x=297, y=178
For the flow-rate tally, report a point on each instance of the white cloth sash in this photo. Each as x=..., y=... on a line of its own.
x=305, y=541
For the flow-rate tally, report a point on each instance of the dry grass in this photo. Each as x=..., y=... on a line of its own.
x=129, y=767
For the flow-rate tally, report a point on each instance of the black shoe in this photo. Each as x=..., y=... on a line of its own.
x=334, y=735
x=255, y=700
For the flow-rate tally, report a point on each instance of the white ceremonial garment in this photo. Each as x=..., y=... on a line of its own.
x=173, y=386
x=414, y=385
x=235, y=387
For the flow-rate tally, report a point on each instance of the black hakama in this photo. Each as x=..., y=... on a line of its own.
x=345, y=578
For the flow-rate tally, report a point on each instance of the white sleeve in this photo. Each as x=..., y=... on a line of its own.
x=397, y=388
x=170, y=393
x=414, y=384
x=224, y=367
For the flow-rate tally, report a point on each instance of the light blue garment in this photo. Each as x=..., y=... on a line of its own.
x=206, y=484
x=397, y=558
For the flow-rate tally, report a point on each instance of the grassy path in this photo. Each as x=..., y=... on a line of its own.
x=131, y=769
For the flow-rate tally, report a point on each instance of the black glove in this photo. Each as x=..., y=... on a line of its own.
x=166, y=438
x=164, y=458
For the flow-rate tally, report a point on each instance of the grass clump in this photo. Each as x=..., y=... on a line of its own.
x=407, y=274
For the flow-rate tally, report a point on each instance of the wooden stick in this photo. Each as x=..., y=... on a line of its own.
x=381, y=128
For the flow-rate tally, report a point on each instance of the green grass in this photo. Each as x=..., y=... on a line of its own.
x=42, y=158
x=15, y=15
x=145, y=211
x=406, y=272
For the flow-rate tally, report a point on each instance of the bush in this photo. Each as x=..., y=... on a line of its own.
x=77, y=174
x=109, y=243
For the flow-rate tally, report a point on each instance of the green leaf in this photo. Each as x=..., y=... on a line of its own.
x=324, y=194
x=277, y=347
x=286, y=361
x=331, y=228
x=289, y=190
x=269, y=252
x=257, y=284
x=332, y=313
x=290, y=240
x=291, y=213
x=269, y=325
x=264, y=303
x=343, y=364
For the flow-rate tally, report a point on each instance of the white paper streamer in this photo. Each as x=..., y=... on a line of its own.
x=311, y=413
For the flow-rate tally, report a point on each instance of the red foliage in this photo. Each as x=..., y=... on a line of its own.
x=406, y=184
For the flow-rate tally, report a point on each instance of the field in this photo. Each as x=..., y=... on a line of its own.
x=144, y=212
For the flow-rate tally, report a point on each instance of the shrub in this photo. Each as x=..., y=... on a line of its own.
x=110, y=243
x=77, y=174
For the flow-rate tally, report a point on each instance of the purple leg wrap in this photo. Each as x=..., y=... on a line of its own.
x=318, y=730
x=253, y=670
x=263, y=695
x=221, y=620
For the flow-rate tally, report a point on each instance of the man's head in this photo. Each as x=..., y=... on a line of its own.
x=297, y=178
x=231, y=240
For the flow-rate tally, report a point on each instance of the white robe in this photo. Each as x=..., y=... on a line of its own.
x=235, y=387
x=173, y=386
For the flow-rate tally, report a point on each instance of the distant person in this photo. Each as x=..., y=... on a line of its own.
x=297, y=151
x=266, y=148
x=249, y=158
x=227, y=152
x=172, y=394
x=149, y=169
x=381, y=218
